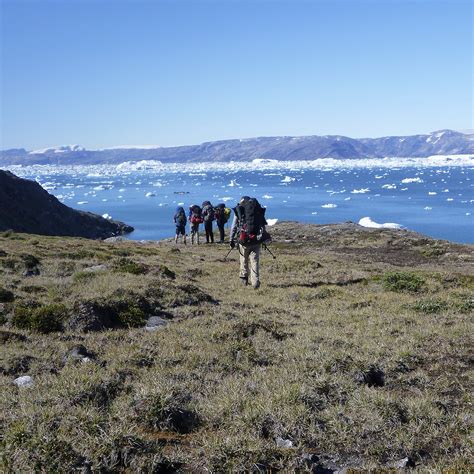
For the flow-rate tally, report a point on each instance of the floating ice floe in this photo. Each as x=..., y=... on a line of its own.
x=272, y=221
x=107, y=216
x=138, y=165
x=360, y=191
x=261, y=161
x=432, y=193
x=150, y=194
x=450, y=199
x=329, y=206
x=368, y=222
x=427, y=208
x=389, y=186
x=267, y=196
x=82, y=202
x=288, y=179
x=411, y=180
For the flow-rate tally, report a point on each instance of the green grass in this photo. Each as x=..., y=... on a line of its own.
x=403, y=281
x=235, y=369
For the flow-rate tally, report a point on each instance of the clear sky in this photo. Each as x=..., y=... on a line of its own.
x=101, y=73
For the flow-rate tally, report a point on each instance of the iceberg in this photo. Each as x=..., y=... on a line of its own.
x=368, y=222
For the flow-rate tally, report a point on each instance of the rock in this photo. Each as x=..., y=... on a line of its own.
x=115, y=239
x=27, y=207
x=373, y=377
x=88, y=317
x=79, y=353
x=95, y=268
x=25, y=381
x=403, y=463
x=31, y=272
x=283, y=443
x=154, y=323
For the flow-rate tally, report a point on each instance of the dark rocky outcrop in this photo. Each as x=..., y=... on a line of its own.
x=26, y=207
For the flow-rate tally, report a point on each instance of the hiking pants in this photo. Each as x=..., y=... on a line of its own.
x=194, y=232
x=209, y=233
x=250, y=262
x=221, y=231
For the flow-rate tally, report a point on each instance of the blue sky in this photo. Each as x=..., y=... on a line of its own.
x=109, y=72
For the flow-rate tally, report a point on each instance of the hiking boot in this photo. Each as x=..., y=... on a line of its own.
x=256, y=285
x=244, y=281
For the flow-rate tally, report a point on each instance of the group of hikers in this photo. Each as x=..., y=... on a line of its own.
x=247, y=232
x=205, y=214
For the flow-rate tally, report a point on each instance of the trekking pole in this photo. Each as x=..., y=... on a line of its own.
x=228, y=253
x=269, y=251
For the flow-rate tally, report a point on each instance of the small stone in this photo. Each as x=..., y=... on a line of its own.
x=373, y=377
x=79, y=353
x=95, y=268
x=403, y=463
x=24, y=381
x=31, y=272
x=154, y=323
x=284, y=443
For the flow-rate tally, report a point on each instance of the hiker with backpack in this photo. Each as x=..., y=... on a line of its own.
x=222, y=215
x=248, y=229
x=208, y=217
x=195, y=218
x=180, y=221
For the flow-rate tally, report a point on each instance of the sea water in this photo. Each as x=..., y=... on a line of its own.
x=436, y=201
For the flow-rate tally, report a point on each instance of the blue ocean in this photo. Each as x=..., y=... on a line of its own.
x=436, y=201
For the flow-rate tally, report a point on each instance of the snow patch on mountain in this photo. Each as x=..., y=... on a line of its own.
x=58, y=149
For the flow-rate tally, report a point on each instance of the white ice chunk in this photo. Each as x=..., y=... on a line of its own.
x=368, y=222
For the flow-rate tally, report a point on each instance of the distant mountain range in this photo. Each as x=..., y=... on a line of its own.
x=443, y=142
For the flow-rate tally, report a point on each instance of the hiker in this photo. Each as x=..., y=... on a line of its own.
x=180, y=221
x=248, y=228
x=222, y=215
x=195, y=218
x=208, y=216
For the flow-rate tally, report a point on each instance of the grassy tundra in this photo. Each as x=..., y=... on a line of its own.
x=355, y=352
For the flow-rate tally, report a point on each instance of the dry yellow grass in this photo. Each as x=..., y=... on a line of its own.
x=356, y=349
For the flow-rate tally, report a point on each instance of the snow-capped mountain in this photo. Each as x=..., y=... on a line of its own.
x=58, y=149
x=442, y=142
